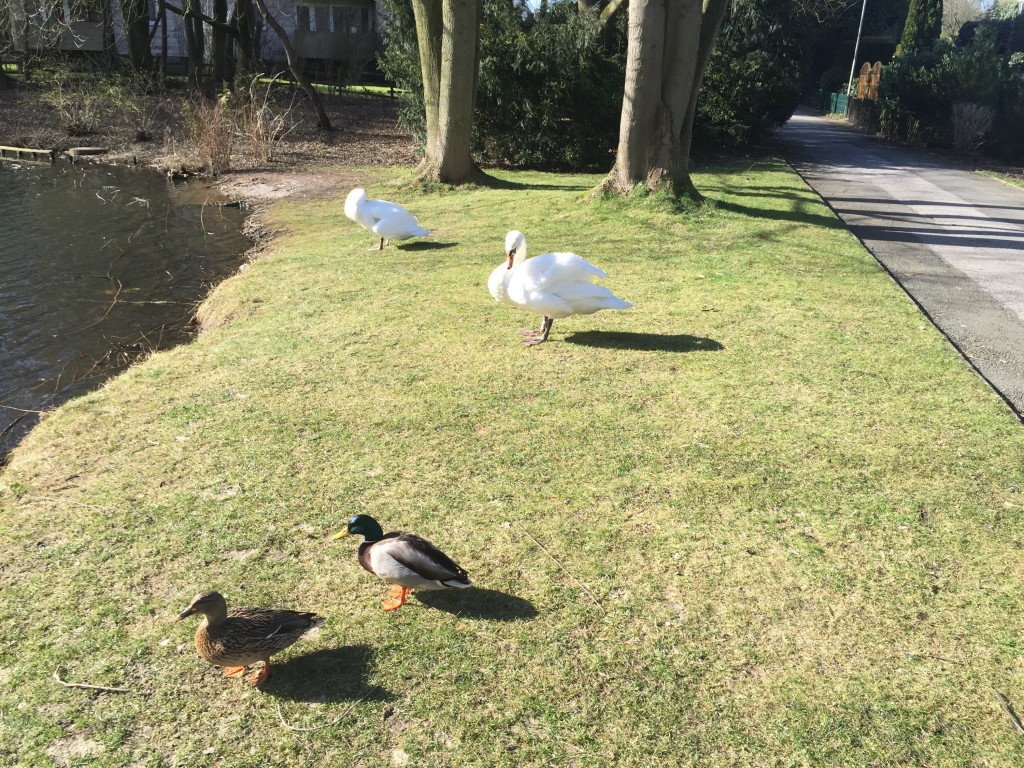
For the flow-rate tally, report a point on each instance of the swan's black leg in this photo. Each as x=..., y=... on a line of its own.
x=379, y=247
x=541, y=335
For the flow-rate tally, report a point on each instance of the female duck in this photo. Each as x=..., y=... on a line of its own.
x=554, y=285
x=403, y=559
x=240, y=637
x=389, y=221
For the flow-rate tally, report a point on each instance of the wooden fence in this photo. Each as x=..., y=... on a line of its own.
x=867, y=83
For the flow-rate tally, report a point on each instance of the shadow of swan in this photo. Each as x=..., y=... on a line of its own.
x=656, y=342
x=424, y=245
x=325, y=676
x=479, y=603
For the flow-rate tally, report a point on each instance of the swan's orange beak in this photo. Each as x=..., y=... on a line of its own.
x=511, y=256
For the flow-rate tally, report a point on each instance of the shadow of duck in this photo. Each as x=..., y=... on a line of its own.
x=326, y=676
x=479, y=603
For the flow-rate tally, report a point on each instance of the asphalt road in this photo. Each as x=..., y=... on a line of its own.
x=953, y=239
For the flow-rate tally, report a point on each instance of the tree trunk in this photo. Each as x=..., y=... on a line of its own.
x=457, y=91
x=714, y=14
x=193, y=41
x=135, y=14
x=293, y=65
x=609, y=11
x=448, y=32
x=109, y=45
x=246, y=64
x=163, y=41
x=219, y=44
x=662, y=77
x=428, y=36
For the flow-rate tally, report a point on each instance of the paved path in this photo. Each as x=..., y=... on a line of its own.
x=953, y=239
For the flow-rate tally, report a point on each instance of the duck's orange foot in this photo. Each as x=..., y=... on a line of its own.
x=234, y=671
x=258, y=677
x=396, y=591
x=398, y=600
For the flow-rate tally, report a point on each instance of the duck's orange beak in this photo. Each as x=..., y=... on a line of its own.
x=511, y=256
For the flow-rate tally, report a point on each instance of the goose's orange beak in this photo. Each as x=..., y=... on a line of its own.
x=511, y=256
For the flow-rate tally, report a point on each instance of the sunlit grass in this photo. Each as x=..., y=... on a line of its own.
x=359, y=90
x=1017, y=181
x=766, y=517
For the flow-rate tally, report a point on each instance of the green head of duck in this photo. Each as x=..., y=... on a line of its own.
x=363, y=525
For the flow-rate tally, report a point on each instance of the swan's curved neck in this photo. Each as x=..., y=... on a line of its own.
x=520, y=256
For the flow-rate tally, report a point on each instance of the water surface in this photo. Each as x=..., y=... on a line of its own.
x=98, y=266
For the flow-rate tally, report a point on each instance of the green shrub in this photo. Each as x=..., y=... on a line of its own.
x=1007, y=140
x=400, y=62
x=918, y=91
x=752, y=82
x=923, y=26
x=549, y=89
x=914, y=98
x=81, y=104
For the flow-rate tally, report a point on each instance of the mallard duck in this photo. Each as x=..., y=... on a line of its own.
x=403, y=559
x=240, y=637
x=389, y=221
x=554, y=285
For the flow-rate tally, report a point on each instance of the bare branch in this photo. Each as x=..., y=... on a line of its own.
x=105, y=688
x=349, y=708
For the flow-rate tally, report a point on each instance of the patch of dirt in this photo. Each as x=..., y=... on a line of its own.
x=307, y=162
x=267, y=186
x=73, y=748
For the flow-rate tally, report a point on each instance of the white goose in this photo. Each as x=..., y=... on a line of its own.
x=388, y=221
x=554, y=285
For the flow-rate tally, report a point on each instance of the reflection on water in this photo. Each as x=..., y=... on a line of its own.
x=98, y=265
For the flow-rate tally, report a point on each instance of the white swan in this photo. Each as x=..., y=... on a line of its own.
x=388, y=221
x=554, y=285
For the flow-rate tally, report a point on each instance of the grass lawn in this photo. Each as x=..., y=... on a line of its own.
x=766, y=517
x=1017, y=181
x=360, y=90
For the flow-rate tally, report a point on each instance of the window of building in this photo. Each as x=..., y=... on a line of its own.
x=321, y=18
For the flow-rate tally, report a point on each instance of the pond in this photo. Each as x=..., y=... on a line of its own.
x=99, y=265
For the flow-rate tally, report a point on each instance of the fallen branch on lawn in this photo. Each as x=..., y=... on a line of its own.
x=105, y=688
x=349, y=708
x=1009, y=712
x=564, y=569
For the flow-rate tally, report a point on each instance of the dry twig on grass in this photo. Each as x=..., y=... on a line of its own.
x=564, y=569
x=335, y=721
x=1009, y=712
x=104, y=688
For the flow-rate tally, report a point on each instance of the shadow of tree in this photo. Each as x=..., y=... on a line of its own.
x=654, y=342
x=479, y=603
x=817, y=219
x=325, y=676
x=492, y=182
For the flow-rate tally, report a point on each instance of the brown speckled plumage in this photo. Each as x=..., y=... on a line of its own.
x=242, y=636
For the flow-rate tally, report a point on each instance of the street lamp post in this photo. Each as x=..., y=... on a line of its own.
x=856, y=47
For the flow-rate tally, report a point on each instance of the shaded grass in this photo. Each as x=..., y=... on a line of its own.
x=766, y=517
